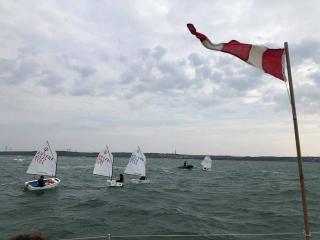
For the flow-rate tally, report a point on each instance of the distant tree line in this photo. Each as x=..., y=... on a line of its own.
x=168, y=155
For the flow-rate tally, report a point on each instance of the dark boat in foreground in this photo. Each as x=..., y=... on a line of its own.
x=188, y=166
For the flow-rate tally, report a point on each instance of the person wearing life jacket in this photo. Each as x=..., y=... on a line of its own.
x=143, y=178
x=121, y=178
x=41, y=182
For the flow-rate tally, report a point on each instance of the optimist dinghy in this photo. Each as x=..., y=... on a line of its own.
x=206, y=163
x=186, y=166
x=44, y=163
x=104, y=167
x=137, y=166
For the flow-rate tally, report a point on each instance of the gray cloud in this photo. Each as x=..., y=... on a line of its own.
x=17, y=71
x=52, y=82
x=137, y=63
x=84, y=71
x=305, y=49
x=196, y=60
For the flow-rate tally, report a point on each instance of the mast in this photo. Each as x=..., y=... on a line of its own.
x=299, y=159
x=111, y=158
x=111, y=165
x=55, y=173
x=145, y=162
x=145, y=166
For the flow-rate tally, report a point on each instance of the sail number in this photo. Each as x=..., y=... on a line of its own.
x=135, y=159
x=101, y=158
x=41, y=157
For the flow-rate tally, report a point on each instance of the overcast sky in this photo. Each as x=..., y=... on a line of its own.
x=84, y=74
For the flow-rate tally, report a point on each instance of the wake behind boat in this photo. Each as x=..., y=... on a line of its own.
x=137, y=166
x=44, y=163
x=104, y=167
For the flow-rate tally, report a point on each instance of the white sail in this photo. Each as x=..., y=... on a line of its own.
x=44, y=162
x=206, y=162
x=137, y=164
x=104, y=162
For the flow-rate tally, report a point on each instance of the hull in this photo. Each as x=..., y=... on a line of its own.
x=113, y=183
x=49, y=184
x=138, y=181
x=206, y=169
x=186, y=167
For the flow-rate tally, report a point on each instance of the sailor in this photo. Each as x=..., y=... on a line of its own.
x=142, y=178
x=41, y=182
x=121, y=178
x=185, y=163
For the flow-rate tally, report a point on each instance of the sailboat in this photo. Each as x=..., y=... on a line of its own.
x=186, y=166
x=137, y=166
x=206, y=163
x=44, y=163
x=104, y=167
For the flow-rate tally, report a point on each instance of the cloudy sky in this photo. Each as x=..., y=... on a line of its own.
x=83, y=74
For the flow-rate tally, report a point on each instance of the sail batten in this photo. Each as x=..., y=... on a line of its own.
x=137, y=164
x=44, y=162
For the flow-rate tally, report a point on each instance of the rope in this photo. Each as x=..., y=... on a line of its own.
x=109, y=236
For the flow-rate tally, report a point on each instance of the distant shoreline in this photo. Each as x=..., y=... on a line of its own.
x=167, y=155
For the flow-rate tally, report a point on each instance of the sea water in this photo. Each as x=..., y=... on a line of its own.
x=241, y=197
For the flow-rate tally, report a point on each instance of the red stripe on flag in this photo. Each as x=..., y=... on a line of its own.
x=193, y=31
x=272, y=59
x=272, y=63
x=240, y=50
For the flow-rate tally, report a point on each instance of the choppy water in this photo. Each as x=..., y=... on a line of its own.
x=236, y=197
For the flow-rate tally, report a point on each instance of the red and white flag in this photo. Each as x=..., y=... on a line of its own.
x=271, y=61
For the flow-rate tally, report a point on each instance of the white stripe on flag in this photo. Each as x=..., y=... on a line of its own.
x=255, y=56
x=208, y=44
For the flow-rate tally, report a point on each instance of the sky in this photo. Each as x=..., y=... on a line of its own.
x=85, y=74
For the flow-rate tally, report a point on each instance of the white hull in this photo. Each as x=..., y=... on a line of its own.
x=114, y=183
x=138, y=181
x=49, y=184
x=206, y=169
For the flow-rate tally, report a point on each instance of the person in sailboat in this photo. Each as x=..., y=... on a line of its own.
x=185, y=163
x=41, y=182
x=121, y=178
x=143, y=178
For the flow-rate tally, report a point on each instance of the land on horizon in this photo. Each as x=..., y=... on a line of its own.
x=169, y=155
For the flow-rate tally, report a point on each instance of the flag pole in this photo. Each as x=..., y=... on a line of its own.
x=296, y=132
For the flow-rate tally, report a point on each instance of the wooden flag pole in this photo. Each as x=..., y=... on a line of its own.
x=296, y=132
